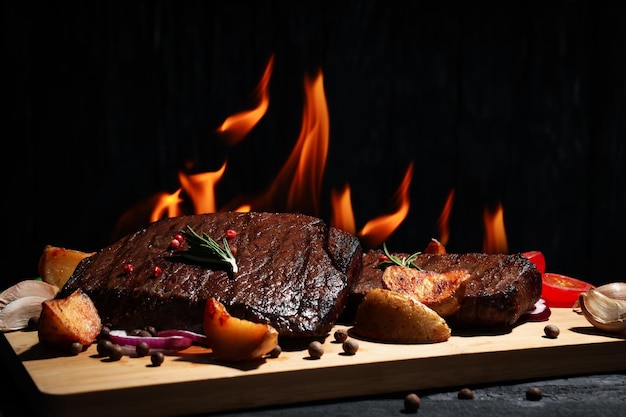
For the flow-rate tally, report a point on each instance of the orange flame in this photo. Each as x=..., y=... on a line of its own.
x=166, y=203
x=444, y=219
x=297, y=187
x=378, y=230
x=495, y=240
x=201, y=189
x=237, y=126
x=342, y=215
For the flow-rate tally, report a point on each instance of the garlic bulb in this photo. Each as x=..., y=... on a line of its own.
x=605, y=307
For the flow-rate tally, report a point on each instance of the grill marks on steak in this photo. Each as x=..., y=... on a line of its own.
x=294, y=273
x=500, y=288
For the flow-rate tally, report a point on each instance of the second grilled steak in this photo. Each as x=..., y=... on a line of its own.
x=500, y=289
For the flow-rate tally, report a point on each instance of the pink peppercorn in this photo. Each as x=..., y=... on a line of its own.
x=157, y=271
x=128, y=268
x=230, y=234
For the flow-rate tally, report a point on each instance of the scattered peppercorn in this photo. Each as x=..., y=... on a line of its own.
x=142, y=348
x=116, y=352
x=134, y=332
x=465, y=394
x=128, y=268
x=350, y=346
x=104, y=333
x=151, y=330
x=412, y=403
x=383, y=258
x=230, y=234
x=157, y=271
x=33, y=322
x=157, y=358
x=274, y=353
x=104, y=346
x=552, y=331
x=533, y=394
x=144, y=333
x=341, y=335
x=316, y=350
x=76, y=348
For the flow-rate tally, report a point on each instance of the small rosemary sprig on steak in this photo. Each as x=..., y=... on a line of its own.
x=388, y=259
x=204, y=249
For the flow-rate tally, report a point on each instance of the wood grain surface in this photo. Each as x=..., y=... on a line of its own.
x=191, y=382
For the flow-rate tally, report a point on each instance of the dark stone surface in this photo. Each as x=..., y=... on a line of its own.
x=584, y=396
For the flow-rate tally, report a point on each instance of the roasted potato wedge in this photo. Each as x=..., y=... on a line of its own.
x=388, y=316
x=441, y=292
x=56, y=264
x=233, y=339
x=64, y=321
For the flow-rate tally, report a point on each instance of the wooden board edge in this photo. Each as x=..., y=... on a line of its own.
x=327, y=384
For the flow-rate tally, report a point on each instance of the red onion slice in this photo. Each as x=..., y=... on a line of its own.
x=538, y=312
x=156, y=343
x=195, y=337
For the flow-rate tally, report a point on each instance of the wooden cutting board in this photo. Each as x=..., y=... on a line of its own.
x=191, y=383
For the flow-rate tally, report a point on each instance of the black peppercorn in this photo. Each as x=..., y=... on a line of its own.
x=350, y=346
x=142, y=348
x=157, y=358
x=104, y=347
x=551, y=331
x=76, y=348
x=533, y=394
x=465, y=394
x=316, y=350
x=412, y=403
x=341, y=335
x=274, y=353
x=116, y=352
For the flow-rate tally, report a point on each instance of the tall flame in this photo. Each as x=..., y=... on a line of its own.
x=444, y=219
x=378, y=230
x=342, y=215
x=297, y=187
x=237, y=126
x=201, y=189
x=495, y=240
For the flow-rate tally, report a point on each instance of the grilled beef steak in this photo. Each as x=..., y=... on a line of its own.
x=295, y=273
x=500, y=288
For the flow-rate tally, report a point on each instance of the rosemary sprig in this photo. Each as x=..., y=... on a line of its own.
x=204, y=249
x=407, y=262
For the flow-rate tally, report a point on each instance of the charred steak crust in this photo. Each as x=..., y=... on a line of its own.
x=501, y=287
x=295, y=273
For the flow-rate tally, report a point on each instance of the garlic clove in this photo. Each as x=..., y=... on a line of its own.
x=16, y=314
x=616, y=290
x=29, y=287
x=603, y=312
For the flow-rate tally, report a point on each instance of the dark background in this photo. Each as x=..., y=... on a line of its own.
x=517, y=102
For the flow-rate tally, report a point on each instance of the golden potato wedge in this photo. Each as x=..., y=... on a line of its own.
x=441, y=292
x=64, y=321
x=388, y=316
x=56, y=265
x=233, y=339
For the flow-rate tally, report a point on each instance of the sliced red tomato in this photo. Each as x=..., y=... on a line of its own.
x=562, y=291
x=537, y=258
